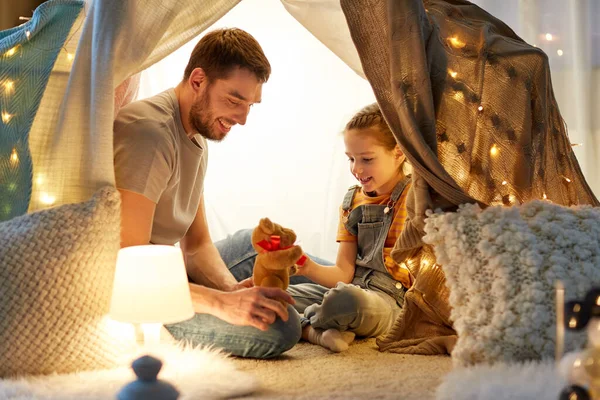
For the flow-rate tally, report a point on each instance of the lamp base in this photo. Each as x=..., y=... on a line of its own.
x=148, y=335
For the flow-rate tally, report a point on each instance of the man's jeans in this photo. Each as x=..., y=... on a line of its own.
x=243, y=341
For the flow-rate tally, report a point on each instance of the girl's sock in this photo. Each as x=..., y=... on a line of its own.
x=348, y=336
x=331, y=339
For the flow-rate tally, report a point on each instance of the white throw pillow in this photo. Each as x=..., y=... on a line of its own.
x=56, y=276
x=501, y=265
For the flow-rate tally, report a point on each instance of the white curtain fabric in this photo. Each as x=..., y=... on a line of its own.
x=72, y=150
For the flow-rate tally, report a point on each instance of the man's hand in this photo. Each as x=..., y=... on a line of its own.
x=257, y=306
x=245, y=284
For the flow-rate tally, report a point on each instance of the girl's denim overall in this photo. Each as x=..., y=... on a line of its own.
x=371, y=303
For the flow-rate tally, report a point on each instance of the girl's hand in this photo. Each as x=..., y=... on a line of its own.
x=302, y=270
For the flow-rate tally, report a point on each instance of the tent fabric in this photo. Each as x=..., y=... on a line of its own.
x=469, y=102
x=27, y=56
x=73, y=155
x=472, y=106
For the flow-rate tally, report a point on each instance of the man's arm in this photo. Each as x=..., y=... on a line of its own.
x=137, y=214
x=202, y=259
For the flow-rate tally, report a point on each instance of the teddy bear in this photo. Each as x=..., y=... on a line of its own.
x=277, y=256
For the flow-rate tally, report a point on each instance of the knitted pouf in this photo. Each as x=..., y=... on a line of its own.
x=56, y=276
x=501, y=266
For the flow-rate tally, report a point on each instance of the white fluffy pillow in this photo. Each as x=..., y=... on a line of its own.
x=56, y=276
x=501, y=265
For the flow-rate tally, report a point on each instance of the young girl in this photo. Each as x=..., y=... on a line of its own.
x=361, y=294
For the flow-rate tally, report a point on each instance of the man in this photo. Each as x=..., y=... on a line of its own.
x=160, y=162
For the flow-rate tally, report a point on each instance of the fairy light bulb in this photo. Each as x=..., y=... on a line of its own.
x=504, y=183
x=6, y=117
x=576, y=144
x=47, y=199
x=70, y=56
x=549, y=37
x=544, y=196
x=567, y=179
x=28, y=34
x=456, y=42
x=11, y=52
x=571, y=368
x=459, y=96
x=39, y=179
x=480, y=108
x=14, y=157
x=452, y=73
x=494, y=151
x=559, y=52
x=9, y=86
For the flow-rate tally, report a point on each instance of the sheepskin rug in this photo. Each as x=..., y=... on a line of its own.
x=523, y=381
x=197, y=374
x=501, y=266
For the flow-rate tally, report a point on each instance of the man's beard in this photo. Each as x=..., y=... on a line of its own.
x=202, y=120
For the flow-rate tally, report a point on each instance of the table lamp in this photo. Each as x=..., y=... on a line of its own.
x=151, y=289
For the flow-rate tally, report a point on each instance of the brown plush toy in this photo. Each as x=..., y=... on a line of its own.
x=277, y=254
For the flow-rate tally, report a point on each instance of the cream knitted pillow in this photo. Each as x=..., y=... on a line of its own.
x=501, y=265
x=56, y=276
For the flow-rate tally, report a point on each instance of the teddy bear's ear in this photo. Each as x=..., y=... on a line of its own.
x=267, y=225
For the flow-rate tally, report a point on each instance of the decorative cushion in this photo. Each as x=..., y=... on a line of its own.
x=56, y=276
x=501, y=266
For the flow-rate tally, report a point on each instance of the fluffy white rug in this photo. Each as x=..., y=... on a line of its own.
x=527, y=381
x=197, y=374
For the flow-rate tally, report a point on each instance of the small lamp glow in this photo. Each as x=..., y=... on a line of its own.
x=151, y=289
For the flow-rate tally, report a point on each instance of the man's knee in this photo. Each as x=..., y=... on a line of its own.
x=283, y=335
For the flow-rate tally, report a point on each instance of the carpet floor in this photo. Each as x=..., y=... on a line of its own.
x=362, y=372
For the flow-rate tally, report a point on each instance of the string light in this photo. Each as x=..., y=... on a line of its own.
x=28, y=34
x=14, y=157
x=40, y=179
x=494, y=151
x=544, y=196
x=11, y=52
x=6, y=117
x=504, y=183
x=452, y=73
x=549, y=37
x=480, y=108
x=70, y=56
x=559, y=52
x=458, y=96
x=47, y=199
x=572, y=323
x=567, y=179
x=456, y=42
x=9, y=86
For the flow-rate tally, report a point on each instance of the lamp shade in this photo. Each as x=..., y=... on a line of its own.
x=151, y=286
